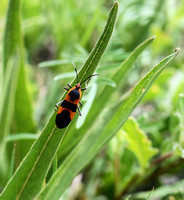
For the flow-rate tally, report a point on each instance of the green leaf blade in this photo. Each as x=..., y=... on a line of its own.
x=96, y=54
x=29, y=177
x=12, y=31
x=97, y=136
x=12, y=59
x=104, y=98
x=130, y=102
x=138, y=142
x=118, y=78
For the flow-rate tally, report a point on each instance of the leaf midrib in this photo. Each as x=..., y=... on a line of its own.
x=30, y=173
x=105, y=33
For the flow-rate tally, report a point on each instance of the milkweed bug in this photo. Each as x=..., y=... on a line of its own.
x=69, y=105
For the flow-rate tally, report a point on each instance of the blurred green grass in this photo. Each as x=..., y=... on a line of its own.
x=67, y=31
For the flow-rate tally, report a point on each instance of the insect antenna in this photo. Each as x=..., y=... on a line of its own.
x=88, y=78
x=76, y=72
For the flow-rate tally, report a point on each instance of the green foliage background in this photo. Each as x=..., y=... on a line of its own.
x=108, y=154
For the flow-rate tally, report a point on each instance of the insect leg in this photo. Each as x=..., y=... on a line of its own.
x=66, y=88
x=76, y=72
x=58, y=104
x=80, y=103
x=69, y=85
x=79, y=113
x=85, y=87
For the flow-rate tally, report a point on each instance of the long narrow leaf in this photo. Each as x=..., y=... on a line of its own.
x=29, y=177
x=103, y=99
x=11, y=66
x=12, y=31
x=119, y=75
x=6, y=115
x=96, y=54
x=106, y=126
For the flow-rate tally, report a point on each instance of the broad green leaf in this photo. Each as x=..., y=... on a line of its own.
x=29, y=177
x=138, y=142
x=107, y=125
x=126, y=168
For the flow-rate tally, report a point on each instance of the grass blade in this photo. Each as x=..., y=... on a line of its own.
x=103, y=99
x=13, y=45
x=96, y=54
x=12, y=161
x=22, y=136
x=119, y=75
x=12, y=55
x=106, y=126
x=29, y=177
x=150, y=194
x=12, y=31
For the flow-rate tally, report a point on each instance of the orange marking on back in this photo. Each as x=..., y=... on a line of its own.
x=61, y=109
x=67, y=98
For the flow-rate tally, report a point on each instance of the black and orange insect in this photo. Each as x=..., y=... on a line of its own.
x=69, y=105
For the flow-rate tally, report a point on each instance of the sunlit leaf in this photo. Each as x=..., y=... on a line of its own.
x=138, y=142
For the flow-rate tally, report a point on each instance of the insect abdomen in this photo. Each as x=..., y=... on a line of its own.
x=65, y=114
x=63, y=119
